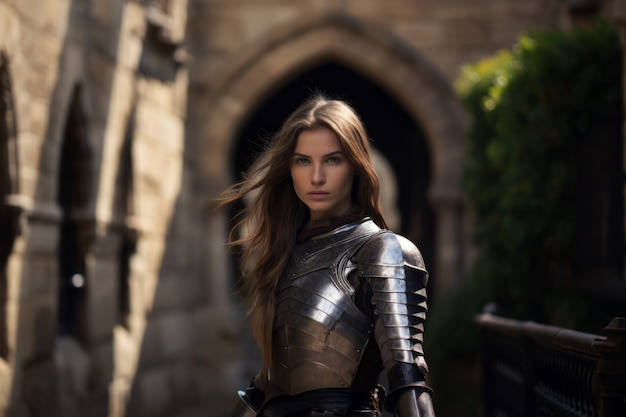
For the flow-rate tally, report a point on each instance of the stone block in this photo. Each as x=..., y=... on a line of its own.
x=30, y=152
x=44, y=188
x=135, y=292
x=101, y=365
x=125, y=352
x=220, y=338
x=130, y=44
x=100, y=71
x=10, y=35
x=256, y=20
x=108, y=246
x=14, y=268
x=154, y=391
x=181, y=88
x=38, y=395
x=176, y=330
x=157, y=122
x=73, y=366
x=170, y=293
x=32, y=112
x=150, y=351
x=35, y=329
x=102, y=305
x=183, y=384
x=32, y=275
x=44, y=71
x=421, y=33
x=465, y=32
x=5, y=383
x=107, y=11
x=367, y=10
x=223, y=34
x=42, y=239
x=178, y=254
x=119, y=393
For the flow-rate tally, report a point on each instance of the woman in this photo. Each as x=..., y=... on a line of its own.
x=335, y=298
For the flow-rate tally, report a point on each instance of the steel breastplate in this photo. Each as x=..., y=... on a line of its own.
x=319, y=334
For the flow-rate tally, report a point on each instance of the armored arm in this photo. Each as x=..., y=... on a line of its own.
x=394, y=268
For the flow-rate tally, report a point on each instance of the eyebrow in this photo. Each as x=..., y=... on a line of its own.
x=323, y=156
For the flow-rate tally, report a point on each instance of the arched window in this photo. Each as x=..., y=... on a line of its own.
x=74, y=177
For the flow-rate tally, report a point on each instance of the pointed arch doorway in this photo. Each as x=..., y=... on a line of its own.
x=402, y=99
x=260, y=79
x=401, y=153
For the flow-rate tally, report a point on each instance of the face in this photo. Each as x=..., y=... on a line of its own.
x=322, y=175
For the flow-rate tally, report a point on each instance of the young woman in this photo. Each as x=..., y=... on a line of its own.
x=335, y=298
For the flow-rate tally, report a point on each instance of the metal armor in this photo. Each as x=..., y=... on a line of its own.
x=394, y=268
x=320, y=334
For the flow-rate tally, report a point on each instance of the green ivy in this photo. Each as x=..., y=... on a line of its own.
x=531, y=107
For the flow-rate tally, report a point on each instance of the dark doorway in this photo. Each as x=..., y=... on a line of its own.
x=393, y=132
x=72, y=198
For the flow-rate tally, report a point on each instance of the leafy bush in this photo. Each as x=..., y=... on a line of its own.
x=532, y=109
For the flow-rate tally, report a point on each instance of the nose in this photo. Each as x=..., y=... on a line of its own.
x=317, y=176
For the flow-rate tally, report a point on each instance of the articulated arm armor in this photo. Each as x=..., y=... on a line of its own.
x=395, y=270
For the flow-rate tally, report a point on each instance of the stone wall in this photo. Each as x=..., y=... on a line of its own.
x=120, y=117
x=108, y=79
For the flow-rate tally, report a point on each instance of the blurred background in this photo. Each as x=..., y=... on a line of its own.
x=498, y=134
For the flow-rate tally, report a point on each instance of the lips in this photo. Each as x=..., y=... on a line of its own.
x=318, y=195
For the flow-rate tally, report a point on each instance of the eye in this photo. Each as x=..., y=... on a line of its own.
x=300, y=160
x=333, y=159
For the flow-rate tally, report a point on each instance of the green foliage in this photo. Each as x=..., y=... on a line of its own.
x=531, y=108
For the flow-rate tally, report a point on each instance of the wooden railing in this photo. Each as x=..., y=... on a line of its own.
x=530, y=369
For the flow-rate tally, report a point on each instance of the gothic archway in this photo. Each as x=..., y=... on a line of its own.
x=257, y=72
x=396, y=139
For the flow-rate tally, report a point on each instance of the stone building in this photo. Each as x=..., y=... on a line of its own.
x=122, y=118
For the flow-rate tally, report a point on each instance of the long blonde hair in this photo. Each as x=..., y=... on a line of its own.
x=275, y=214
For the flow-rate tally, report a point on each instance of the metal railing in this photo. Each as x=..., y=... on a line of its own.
x=530, y=369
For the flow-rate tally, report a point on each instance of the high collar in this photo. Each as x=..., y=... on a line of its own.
x=317, y=227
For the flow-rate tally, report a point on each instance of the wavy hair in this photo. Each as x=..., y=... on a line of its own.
x=266, y=229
